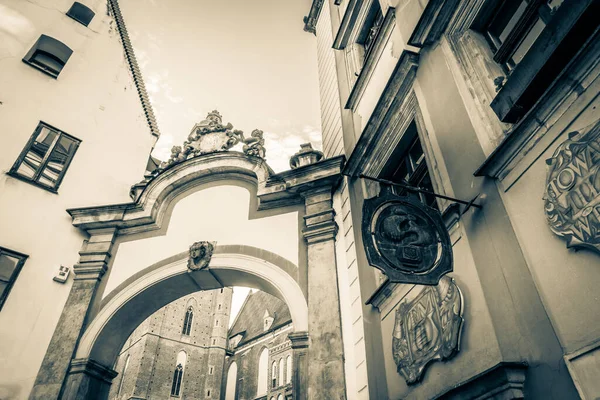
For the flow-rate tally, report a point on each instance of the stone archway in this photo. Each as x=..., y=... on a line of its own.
x=309, y=185
x=156, y=286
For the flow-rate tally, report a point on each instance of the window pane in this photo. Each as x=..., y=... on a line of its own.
x=7, y=266
x=525, y=45
x=57, y=161
x=47, y=61
x=32, y=160
x=507, y=18
x=3, y=287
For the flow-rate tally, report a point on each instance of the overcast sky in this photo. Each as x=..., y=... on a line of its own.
x=249, y=59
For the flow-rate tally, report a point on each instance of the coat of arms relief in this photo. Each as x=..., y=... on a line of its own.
x=427, y=329
x=572, y=196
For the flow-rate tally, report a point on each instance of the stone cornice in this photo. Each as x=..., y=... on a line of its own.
x=351, y=23
x=113, y=6
x=92, y=368
x=433, y=22
x=273, y=191
x=372, y=59
x=379, y=126
x=310, y=21
x=300, y=340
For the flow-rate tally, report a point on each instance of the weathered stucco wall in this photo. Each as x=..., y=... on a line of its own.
x=93, y=99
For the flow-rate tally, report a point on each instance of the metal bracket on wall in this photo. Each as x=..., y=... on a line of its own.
x=414, y=189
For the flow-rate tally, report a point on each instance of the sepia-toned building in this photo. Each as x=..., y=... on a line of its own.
x=259, y=362
x=493, y=103
x=476, y=124
x=179, y=351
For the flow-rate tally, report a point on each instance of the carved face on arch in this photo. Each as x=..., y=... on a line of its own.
x=200, y=255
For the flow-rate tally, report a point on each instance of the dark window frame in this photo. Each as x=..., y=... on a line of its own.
x=49, y=47
x=76, y=11
x=15, y=274
x=403, y=159
x=177, y=381
x=566, y=31
x=187, y=321
x=34, y=180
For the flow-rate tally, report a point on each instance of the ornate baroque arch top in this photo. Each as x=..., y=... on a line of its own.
x=203, y=158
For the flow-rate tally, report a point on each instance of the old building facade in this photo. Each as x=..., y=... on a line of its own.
x=484, y=110
x=495, y=104
x=259, y=363
x=178, y=351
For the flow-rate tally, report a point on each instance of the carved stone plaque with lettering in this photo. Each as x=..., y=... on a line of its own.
x=427, y=328
x=572, y=197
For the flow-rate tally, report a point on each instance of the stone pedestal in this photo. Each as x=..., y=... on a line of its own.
x=92, y=265
x=300, y=365
x=326, y=377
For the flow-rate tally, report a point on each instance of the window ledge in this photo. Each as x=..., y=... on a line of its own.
x=373, y=57
x=433, y=22
x=34, y=183
x=44, y=70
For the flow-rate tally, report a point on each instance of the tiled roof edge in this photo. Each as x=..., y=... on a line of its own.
x=134, y=67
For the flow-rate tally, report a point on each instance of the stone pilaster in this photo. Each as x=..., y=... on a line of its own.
x=326, y=378
x=300, y=365
x=93, y=263
x=87, y=380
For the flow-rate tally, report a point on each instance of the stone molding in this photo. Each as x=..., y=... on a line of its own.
x=113, y=6
x=433, y=22
x=387, y=113
x=352, y=22
x=92, y=369
x=383, y=36
x=505, y=380
x=300, y=340
x=310, y=21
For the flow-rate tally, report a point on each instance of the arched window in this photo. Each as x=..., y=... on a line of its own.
x=263, y=373
x=288, y=376
x=187, y=322
x=274, y=374
x=281, y=371
x=231, y=382
x=178, y=374
x=123, y=374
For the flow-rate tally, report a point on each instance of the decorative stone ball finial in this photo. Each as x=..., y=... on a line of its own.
x=306, y=156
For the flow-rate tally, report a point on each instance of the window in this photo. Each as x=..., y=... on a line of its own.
x=176, y=387
x=263, y=373
x=11, y=263
x=281, y=371
x=46, y=157
x=230, y=387
x=123, y=374
x=541, y=35
x=274, y=374
x=81, y=13
x=48, y=55
x=208, y=393
x=407, y=165
x=370, y=29
x=187, y=322
x=210, y=370
x=288, y=375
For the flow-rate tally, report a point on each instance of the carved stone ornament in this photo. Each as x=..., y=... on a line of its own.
x=405, y=239
x=427, y=329
x=572, y=199
x=200, y=255
x=306, y=156
x=254, y=146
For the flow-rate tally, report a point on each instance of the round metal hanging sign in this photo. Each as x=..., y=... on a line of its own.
x=406, y=239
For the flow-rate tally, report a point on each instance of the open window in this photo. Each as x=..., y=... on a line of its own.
x=48, y=55
x=534, y=41
x=81, y=13
x=46, y=157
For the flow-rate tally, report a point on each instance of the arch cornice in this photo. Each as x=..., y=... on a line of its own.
x=153, y=197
